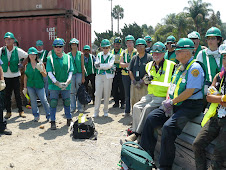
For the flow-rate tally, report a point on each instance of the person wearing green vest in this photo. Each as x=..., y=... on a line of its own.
x=126, y=57
x=195, y=37
x=211, y=57
x=170, y=53
x=214, y=128
x=158, y=77
x=104, y=76
x=11, y=56
x=137, y=71
x=42, y=57
x=78, y=75
x=117, y=86
x=60, y=69
x=3, y=123
x=90, y=70
x=34, y=83
x=149, y=43
x=184, y=101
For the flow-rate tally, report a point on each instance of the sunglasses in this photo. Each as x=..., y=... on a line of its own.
x=158, y=48
x=58, y=46
x=105, y=47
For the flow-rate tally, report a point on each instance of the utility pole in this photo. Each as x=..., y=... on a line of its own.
x=111, y=17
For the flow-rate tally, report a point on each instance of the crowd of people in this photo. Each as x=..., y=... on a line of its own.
x=160, y=85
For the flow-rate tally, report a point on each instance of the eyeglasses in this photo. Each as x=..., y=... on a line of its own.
x=211, y=38
x=58, y=46
x=158, y=48
x=170, y=43
x=179, y=51
x=105, y=47
x=140, y=46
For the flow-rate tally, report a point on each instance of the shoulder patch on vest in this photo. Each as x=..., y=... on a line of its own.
x=195, y=72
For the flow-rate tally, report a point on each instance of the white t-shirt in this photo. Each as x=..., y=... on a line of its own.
x=21, y=54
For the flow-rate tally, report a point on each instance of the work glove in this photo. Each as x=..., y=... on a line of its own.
x=65, y=85
x=39, y=66
x=97, y=65
x=58, y=84
x=2, y=85
x=212, y=90
x=134, y=82
x=223, y=98
x=24, y=91
x=168, y=107
x=147, y=79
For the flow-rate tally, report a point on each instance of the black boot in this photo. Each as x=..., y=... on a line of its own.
x=69, y=122
x=6, y=132
x=53, y=125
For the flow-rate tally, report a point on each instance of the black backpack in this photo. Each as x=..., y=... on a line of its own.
x=82, y=95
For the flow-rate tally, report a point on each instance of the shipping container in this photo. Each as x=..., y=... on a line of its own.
x=28, y=30
x=18, y=8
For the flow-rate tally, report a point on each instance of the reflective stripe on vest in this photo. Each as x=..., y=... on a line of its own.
x=108, y=59
x=91, y=58
x=69, y=63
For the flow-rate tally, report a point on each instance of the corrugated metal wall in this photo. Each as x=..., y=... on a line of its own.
x=28, y=30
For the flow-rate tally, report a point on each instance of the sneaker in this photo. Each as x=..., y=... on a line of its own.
x=47, y=117
x=69, y=122
x=21, y=114
x=105, y=114
x=95, y=115
x=115, y=105
x=53, y=125
x=80, y=110
x=126, y=114
x=8, y=115
x=6, y=132
x=72, y=111
x=131, y=138
x=122, y=106
x=36, y=119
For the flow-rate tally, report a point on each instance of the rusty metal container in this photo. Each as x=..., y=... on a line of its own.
x=28, y=30
x=18, y=8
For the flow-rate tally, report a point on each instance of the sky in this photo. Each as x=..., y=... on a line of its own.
x=150, y=12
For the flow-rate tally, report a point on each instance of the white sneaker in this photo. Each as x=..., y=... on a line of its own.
x=95, y=115
x=105, y=114
x=81, y=110
x=36, y=119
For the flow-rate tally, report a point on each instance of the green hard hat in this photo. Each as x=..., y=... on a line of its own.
x=39, y=43
x=222, y=49
x=147, y=38
x=86, y=47
x=194, y=35
x=32, y=50
x=105, y=43
x=170, y=39
x=141, y=41
x=118, y=40
x=74, y=41
x=9, y=35
x=158, y=47
x=184, y=43
x=130, y=38
x=15, y=40
x=213, y=31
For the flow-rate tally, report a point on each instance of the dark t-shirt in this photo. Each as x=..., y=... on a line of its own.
x=137, y=65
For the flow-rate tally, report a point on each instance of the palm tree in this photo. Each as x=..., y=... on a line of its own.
x=118, y=13
x=198, y=11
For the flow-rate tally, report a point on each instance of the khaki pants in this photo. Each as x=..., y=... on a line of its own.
x=142, y=108
x=137, y=94
x=102, y=85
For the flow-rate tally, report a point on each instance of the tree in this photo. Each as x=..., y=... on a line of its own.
x=118, y=13
x=100, y=36
x=147, y=30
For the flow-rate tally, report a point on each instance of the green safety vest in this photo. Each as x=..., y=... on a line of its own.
x=127, y=58
x=177, y=78
x=34, y=77
x=60, y=69
x=172, y=57
x=12, y=63
x=89, y=67
x=160, y=83
x=102, y=61
x=117, y=57
x=211, y=67
x=77, y=62
x=43, y=56
x=197, y=51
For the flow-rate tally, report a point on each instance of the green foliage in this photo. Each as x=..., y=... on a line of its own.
x=100, y=36
x=118, y=13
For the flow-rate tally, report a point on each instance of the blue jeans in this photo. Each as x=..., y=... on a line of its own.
x=76, y=80
x=127, y=83
x=54, y=94
x=171, y=128
x=33, y=93
x=46, y=86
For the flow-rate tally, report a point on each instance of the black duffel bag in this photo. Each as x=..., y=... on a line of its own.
x=82, y=95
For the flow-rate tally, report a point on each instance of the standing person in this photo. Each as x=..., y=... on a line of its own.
x=170, y=54
x=42, y=56
x=149, y=43
x=183, y=104
x=117, y=86
x=34, y=83
x=126, y=57
x=158, y=77
x=10, y=56
x=60, y=69
x=3, y=129
x=104, y=76
x=137, y=71
x=78, y=75
x=90, y=70
x=215, y=127
x=195, y=37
